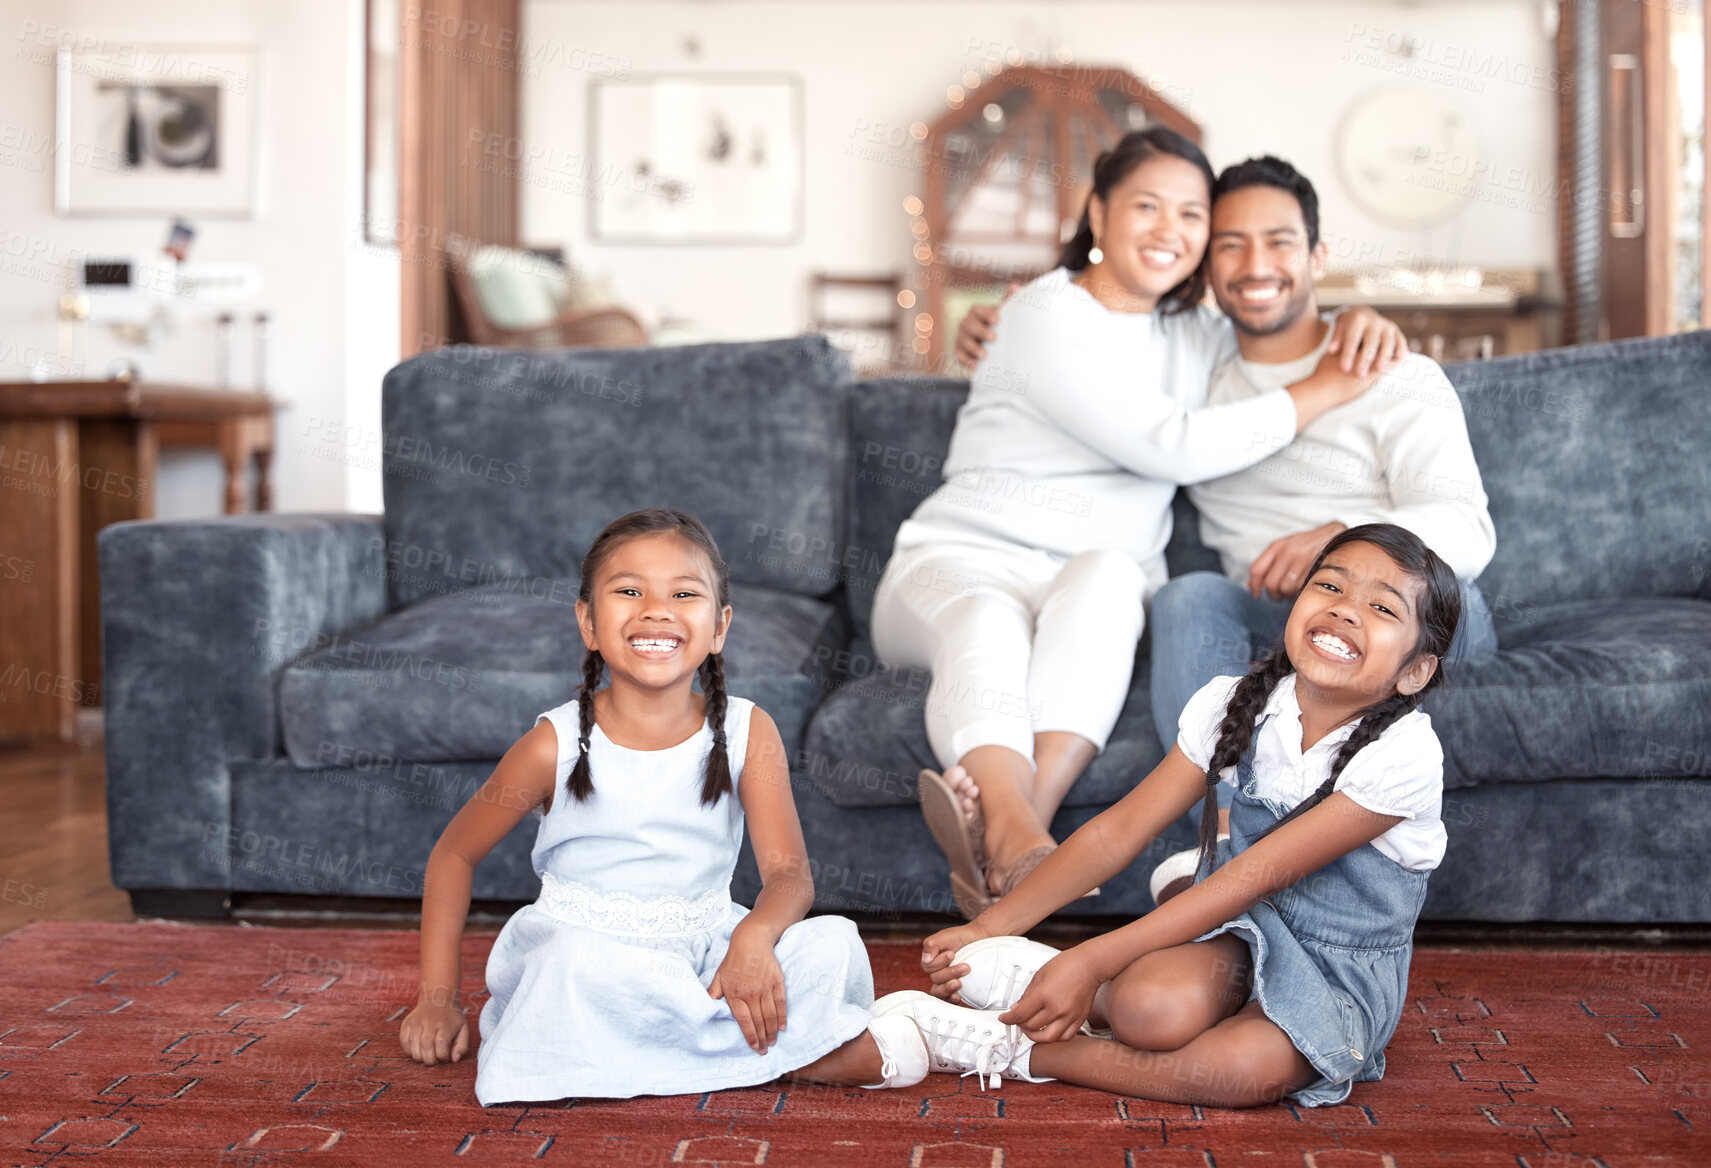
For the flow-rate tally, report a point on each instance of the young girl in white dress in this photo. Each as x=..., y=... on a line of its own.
x=634, y=973
x=1284, y=970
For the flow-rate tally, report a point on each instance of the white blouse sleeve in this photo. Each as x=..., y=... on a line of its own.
x=1400, y=774
x=1053, y=352
x=1198, y=728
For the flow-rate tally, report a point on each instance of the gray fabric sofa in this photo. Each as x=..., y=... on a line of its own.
x=299, y=703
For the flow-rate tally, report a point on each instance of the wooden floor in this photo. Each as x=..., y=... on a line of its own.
x=53, y=821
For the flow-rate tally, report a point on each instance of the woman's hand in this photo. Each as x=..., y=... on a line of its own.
x=1367, y=341
x=752, y=984
x=938, y=950
x=1339, y=386
x=434, y=1034
x=979, y=329
x=1057, y=1001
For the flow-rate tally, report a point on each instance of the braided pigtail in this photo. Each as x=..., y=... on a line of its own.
x=581, y=781
x=717, y=782
x=1375, y=720
x=1235, y=735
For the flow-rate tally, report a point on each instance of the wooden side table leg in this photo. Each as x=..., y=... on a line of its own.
x=39, y=558
x=264, y=463
x=234, y=452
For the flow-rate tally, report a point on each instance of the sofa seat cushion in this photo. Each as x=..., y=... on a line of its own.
x=1583, y=689
x=462, y=676
x=868, y=740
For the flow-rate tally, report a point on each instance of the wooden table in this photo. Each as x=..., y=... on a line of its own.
x=74, y=457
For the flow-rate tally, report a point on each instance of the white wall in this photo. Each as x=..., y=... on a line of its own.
x=333, y=303
x=1260, y=76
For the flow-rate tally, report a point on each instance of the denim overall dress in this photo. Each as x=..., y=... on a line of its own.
x=1330, y=952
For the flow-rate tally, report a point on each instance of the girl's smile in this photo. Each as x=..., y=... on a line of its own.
x=1333, y=645
x=656, y=646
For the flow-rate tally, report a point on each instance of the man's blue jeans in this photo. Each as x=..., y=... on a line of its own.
x=1205, y=625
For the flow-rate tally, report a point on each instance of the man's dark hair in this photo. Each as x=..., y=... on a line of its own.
x=1270, y=171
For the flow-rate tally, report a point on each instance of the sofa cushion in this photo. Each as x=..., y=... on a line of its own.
x=463, y=676
x=503, y=465
x=900, y=429
x=1594, y=461
x=867, y=741
x=1584, y=689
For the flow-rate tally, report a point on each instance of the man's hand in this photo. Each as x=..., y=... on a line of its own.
x=1057, y=1001
x=1279, y=570
x=752, y=984
x=434, y=1034
x=1367, y=341
x=979, y=329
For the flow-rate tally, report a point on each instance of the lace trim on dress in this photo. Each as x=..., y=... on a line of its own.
x=622, y=912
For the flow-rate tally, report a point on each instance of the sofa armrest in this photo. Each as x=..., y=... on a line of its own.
x=198, y=618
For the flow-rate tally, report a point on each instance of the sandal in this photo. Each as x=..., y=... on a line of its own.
x=1023, y=866
x=957, y=839
x=1025, y=863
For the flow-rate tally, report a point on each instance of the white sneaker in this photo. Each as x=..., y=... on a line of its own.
x=903, y=1058
x=1000, y=969
x=1178, y=870
x=963, y=1041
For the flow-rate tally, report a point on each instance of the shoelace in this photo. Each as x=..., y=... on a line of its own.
x=991, y=1052
x=1013, y=984
x=887, y=1066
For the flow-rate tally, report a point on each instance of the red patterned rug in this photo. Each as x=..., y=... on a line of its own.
x=166, y=1044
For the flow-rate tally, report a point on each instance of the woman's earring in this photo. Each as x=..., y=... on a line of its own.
x=1094, y=255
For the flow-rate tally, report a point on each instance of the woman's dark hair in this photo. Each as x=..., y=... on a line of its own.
x=1109, y=170
x=1439, y=612
x=716, y=780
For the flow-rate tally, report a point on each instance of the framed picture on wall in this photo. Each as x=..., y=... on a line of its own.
x=156, y=130
x=696, y=158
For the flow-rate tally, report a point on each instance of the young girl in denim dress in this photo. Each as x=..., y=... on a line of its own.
x=1283, y=971
x=634, y=973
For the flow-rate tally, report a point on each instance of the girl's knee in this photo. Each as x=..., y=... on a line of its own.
x=830, y=940
x=1153, y=1022
x=1148, y=1011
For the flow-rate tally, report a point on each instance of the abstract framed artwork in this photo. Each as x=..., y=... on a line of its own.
x=153, y=129
x=696, y=158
